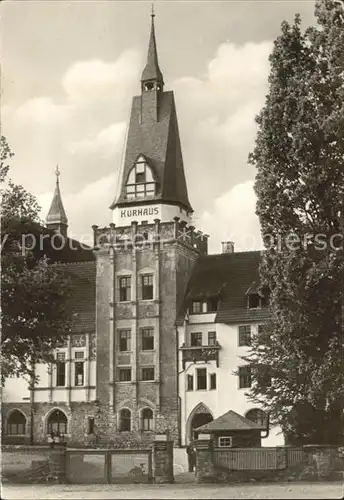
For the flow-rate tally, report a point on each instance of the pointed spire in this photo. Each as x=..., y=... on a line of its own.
x=57, y=218
x=152, y=72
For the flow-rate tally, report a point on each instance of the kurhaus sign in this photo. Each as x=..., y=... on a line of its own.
x=124, y=216
x=129, y=213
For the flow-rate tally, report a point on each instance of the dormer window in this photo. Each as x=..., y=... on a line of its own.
x=141, y=183
x=253, y=301
x=256, y=298
x=196, y=307
x=204, y=306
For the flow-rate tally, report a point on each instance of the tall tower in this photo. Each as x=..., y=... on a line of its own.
x=57, y=218
x=144, y=260
x=153, y=181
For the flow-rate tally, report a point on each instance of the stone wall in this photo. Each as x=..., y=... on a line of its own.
x=32, y=464
x=320, y=463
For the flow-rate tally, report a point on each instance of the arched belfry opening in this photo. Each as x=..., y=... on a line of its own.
x=200, y=415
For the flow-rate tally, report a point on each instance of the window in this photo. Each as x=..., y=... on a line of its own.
x=149, y=86
x=147, y=339
x=60, y=369
x=244, y=335
x=125, y=374
x=57, y=422
x=124, y=289
x=196, y=339
x=213, y=381
x=196, y=307
x=147, y=286
x=253, y=301
x=147, y=420
x=79, y=355
x=147, y=373
x=190, y=383
x=225, y=442
x=140, y=177
x=244, y=377
x=124, y=340
x=125, y=420
x=211, y=338
x=201, y=378
x=90, y=425
x=140, y=182
x=16, y=423
x=79, y=373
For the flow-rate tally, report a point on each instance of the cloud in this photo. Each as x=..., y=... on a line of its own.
x=83, y=130
x=232, y=218
x=217, y=118
x=96, y=79
x=41, y=110
x=106, y=143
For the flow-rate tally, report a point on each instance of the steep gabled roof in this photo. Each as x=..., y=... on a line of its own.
x=226, y=276
x=57, y=213
x=230, y=421
x=159, y=142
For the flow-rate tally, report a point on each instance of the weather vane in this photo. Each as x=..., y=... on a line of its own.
x=57, y=171
x=153, y=12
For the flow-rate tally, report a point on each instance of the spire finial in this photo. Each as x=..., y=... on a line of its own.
x=151, y=72
x=57, y=173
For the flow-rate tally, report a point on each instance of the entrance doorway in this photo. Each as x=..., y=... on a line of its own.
x=198, y=420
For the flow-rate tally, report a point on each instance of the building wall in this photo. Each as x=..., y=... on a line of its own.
x=170, y=264
x=16, y=389
x=73, y=400
x=227, y=395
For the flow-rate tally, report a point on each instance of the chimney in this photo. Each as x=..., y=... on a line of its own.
x=228, y=247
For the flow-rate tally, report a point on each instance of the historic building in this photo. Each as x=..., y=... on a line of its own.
x=158, y=325
x=223, y=309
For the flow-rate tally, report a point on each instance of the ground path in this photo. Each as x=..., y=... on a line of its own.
x=175, y=491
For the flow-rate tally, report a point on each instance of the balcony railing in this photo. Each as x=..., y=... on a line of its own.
x=203, y=353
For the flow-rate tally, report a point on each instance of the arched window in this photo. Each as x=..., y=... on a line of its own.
x=16, y=423
x=57, y=422
x=257, y=416
x=125, y=420
x=140, y=183
x=147, y=419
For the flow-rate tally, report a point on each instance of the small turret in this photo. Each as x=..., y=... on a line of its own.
x=57, y=218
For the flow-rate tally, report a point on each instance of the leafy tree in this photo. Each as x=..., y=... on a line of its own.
x=34, y=292
x=299, y=156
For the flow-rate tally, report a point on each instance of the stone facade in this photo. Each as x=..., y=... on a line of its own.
x=170, y=264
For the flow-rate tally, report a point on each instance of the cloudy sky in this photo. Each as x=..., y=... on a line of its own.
x=70, y=69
